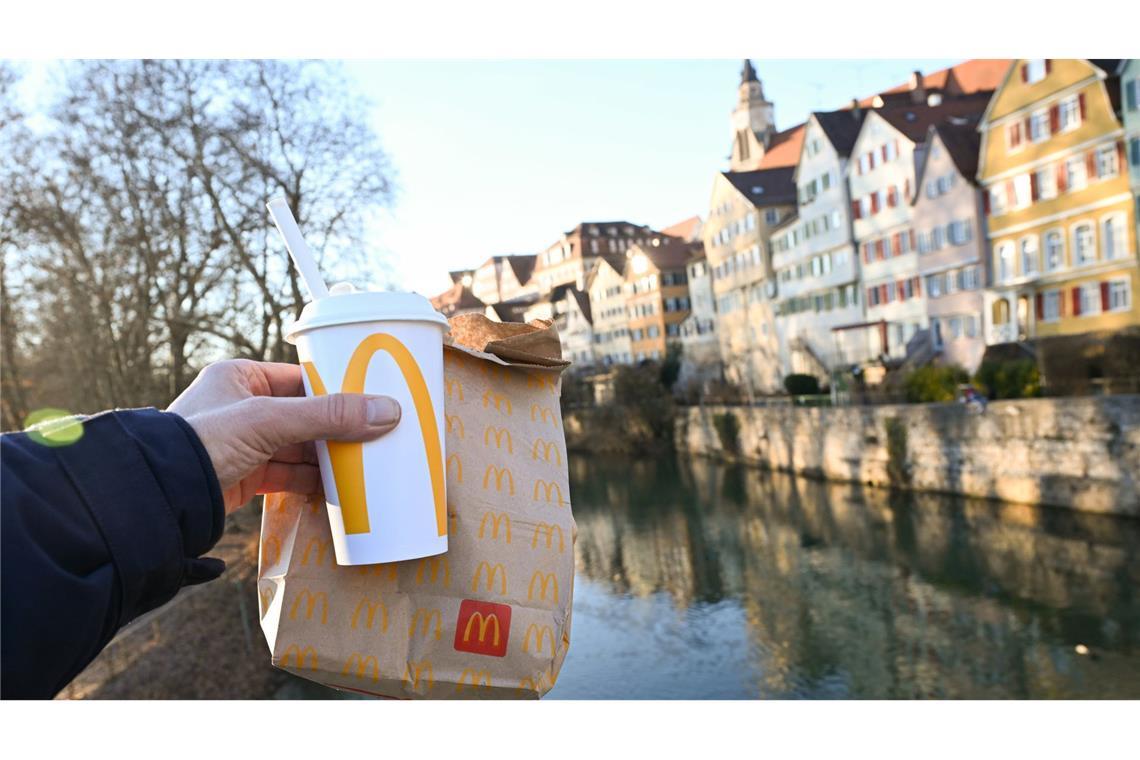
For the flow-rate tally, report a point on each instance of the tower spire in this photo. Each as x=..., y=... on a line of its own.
x=748, y=74
x=753, y=121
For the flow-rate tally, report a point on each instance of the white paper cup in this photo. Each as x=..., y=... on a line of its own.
x=386, y=498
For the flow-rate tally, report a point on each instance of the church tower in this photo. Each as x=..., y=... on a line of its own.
x=753, y=122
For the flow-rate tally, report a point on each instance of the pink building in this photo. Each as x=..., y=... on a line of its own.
x=950, y=239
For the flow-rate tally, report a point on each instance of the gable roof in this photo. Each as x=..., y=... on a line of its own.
x=765, y=187
x=687, y=229
x=966, y=78
x=840, y=128
x=784, y=148
x=455, y=298
x=914, y=119
x=523, y=266
x=513, y=310
x=962, y=142
x=669, y=253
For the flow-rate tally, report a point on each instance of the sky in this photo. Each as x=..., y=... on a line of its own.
x=501, y=157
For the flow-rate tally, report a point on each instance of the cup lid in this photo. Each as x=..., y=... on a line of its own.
x=343, y=306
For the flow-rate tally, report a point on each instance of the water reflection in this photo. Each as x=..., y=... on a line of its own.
x=696, y=579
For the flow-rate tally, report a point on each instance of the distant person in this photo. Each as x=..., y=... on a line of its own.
x=101, y=530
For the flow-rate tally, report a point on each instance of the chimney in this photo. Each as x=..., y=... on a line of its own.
x=855, y=105
x=917, y=88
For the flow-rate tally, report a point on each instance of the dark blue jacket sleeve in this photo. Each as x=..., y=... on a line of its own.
x=95, y=533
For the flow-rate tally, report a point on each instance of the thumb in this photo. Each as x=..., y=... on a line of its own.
x=336, y=417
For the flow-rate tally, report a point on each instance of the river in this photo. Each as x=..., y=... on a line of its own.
x=701, y=580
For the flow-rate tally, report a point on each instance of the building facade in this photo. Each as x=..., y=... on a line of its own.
x=951, y=242
x=657, y=295
x=700, y=350
x=1130, y=100
x=606, y=289
x=569, y=309
x=1062, y=225
x=813, y=254
x=568, y=260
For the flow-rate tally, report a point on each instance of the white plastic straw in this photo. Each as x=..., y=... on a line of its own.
x=298, y=249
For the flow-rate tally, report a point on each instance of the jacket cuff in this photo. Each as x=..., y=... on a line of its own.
x=152, y=490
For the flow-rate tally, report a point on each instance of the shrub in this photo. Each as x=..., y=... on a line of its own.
x=801, y=385
x=728, y=430
x=1017, y=378
x=933, y=384
x=671, y=366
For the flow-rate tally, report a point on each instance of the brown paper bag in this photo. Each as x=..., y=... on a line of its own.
x=490, y=619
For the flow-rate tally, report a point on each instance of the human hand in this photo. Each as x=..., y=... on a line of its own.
x=258, y=428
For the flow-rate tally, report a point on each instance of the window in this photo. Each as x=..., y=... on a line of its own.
x=936, y=331
x=1029, y=255
x=1120, y=294
x=1134, y=149
x=1051, y=306
x=1069, y=113
x=1090, y=299
x=1084, y=246
x=934, y=285
x=936, y=239
x=971, y=326
x=1075, y=169
x=1021, y=191
x=970, y=280
x=1106, y=165
x=771, y=216
x=1054, y=250
x=1113, y=238
x=997, y=200
x=1005, y=262
x=1034, y=70
x=931, y=189
x=1039, y=125
x=955, y=328
x=1046, y=183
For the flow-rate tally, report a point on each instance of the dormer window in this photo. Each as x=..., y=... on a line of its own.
x=757, y=190
x=1034, y=70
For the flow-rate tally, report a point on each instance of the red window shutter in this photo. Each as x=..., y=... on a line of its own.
x=1076, y=302
x=1040, y=299
x=1016, y=128
x=1054, y=119
x=985, y=203
x=1028, y=131
x=867, y=253
x=1024, y=72
x=1033, y=186
x=1081, y=103
x=896, y=147
x=896, y=245
x=1090, y=165
x=1104, y=295
x=918, y=286
x=1062, y=177
x=1121, y=157
x=871, y=295
x=871, y=160
x=883, y=293
x=1048, y=66
x=874, y=203
x=1010, y=197
x=884, y=149
x=907, y=186
x=892, y=197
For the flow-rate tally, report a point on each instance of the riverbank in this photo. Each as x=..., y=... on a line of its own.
x=1079, y=453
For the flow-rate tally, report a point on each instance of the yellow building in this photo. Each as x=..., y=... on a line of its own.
x=1061, y=223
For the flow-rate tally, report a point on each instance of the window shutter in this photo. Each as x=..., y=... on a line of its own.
x=1024, y=72
x=1121, y=157
x=918, y=286
x=1040, y=299
x=907, y=186
x=867, y=253
x=871, y=160
x=1081, y=102
x=1104, y=295
x=910, y=234
x=896, y=245
x=893, y=196
x=1054, y=119
x=896, y=142
x=883, y=293
x=1010, y=197
x=875, y=203
x=1090, y=164
x=1062, y=177
x=1033, y=186
x=870, y=295
x=1028, y=127
x=1076, y=302
x=1048, y=66
x=884, y=149
x=986, y=202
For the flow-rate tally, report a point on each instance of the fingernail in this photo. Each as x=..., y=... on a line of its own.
x=383, y=410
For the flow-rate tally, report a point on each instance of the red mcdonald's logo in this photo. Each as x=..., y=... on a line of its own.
x=483, y=628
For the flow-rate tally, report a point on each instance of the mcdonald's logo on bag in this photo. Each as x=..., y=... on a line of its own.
x=496, y=518
x=495, y=373
x=415, y=671
x=348, y=457
x=501, y=402
x=540, y=382
x=499, y=472
x=270, y=550
x=478, y=678
x=458, y=466
x=543, y=580
x=310, y=599
x=454, y=424
x=424, y=617
x=300, y=656
x=499, y=434
x=550, y=530
x=546, y=447
x=492, y=571
x=434, y=563
x=369, y=611
x=454, y=388
x=265, y=596
x=540, y=633
x=549, y=491
x=389, y=567
x=361, y=663
x=543, y=414
x=483, y=628
x=318, y=547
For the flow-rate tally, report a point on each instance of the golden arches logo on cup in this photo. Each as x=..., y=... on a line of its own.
x=358, y=665
x=491, y=572
x=498, y=435
x=366, y=614
x=348, y=457
x=310, y=600
x=548, y=450
x=495, y=519
x=299, y=657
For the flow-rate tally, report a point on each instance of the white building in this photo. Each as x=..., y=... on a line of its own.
x=700, y=350
x=813, y=254
x=605, y=286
